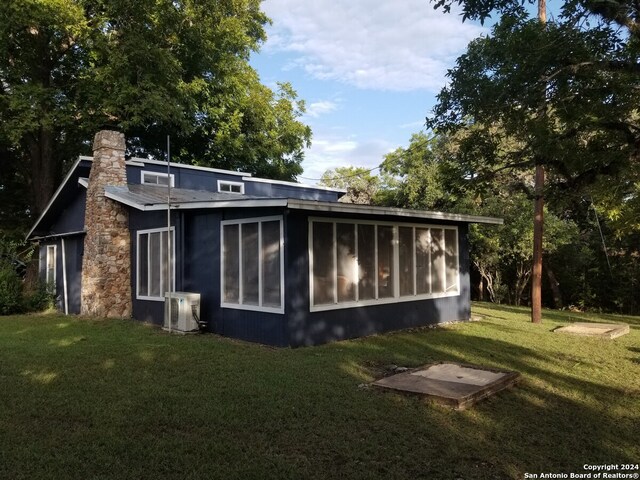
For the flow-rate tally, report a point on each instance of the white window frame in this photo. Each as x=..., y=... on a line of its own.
x=240, y=305
x=53, y=284
x=396, y=265
x=147, y=173
x=163, y=254
x=222, y=183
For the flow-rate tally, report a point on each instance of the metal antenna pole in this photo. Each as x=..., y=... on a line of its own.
x=169, y=229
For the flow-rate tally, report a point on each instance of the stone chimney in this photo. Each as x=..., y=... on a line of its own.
x=106, y=264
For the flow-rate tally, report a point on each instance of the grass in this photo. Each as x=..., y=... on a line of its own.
x=86, y=399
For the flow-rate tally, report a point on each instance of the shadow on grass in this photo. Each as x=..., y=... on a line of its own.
x=561, y=316
x=207, y=407
x=554, y=420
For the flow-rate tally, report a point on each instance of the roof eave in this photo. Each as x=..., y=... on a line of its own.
x=55, y=195
x=400, y=212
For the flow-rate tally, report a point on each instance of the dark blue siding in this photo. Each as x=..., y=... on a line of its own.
x=72, y=217
x=312, y=328
x=201, y=252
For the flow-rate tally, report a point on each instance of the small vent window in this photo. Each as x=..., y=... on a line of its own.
x=230, y=187
x=156, y=178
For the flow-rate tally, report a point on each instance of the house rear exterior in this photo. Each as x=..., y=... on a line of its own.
x=274, y=262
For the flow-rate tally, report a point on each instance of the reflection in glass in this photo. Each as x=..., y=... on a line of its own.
x=323, y=263
x=385, y=261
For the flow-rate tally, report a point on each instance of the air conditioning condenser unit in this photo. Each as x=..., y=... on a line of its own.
x=182, y=312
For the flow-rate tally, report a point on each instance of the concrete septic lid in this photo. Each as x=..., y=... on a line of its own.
x=603, y=330
x=454, y=384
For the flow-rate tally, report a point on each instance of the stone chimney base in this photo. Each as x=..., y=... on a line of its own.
x=106, y=264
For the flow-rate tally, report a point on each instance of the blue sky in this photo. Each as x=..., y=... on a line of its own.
x=368, y=71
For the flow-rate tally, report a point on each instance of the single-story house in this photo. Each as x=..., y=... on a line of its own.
x=274, y=262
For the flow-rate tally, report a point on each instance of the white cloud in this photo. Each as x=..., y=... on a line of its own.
x=332, y=151
x=383, y=45
x=322, y=107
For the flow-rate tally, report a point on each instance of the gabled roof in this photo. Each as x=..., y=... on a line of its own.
x=79, y=172
x=65, y=192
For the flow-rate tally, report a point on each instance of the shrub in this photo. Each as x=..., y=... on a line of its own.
x=11, y=298
x=39, y=298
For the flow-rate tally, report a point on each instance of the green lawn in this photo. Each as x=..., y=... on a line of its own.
x=83, y=399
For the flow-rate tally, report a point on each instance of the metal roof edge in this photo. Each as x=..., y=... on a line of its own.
x=55, y=195
x=112, y=193
x=401, y=212
x=58, y=235
x=294, y=184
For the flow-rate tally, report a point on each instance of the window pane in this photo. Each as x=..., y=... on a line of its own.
x=323, y=267
x=423, y=284
x=250, y=259
x=236, y=188
x=163, y=263
x=346, y=245
x=231, y=264
x=143, y=262
x=437, y=261
x=366, y=262
x=161, y=180
x=51, y=266
x=385, y=262
x=451, y=260
x=405, y=253
x=271, y=264
x=154, y=264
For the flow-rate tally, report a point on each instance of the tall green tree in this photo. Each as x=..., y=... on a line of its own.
x=149, y=68
x=565, y=91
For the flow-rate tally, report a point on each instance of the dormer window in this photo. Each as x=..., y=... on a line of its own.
x=231, y=187
x=156, y=178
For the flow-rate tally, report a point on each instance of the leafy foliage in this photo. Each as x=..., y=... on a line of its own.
x=149, y=68
x=422, y=175
x=360, y=184
x=17, y=295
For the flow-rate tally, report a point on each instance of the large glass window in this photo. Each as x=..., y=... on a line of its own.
x=366, y=262
x=252, y=264
x=153, y=265
x=362, y=263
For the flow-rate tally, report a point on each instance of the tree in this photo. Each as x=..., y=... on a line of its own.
x=149, y=68
x=423, y=175
x=361, y=186
x=568, y=104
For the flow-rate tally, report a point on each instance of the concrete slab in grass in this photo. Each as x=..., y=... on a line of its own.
x=454, y=384
x=602, y=330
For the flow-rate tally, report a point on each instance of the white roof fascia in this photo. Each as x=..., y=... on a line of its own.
x=400, y=212
x=140, y=162
x=55, y=195
x=294, y=184
x=136, y=161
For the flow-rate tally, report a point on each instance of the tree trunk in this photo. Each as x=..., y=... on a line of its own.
x=481, y=290
x=555, y=288
x=43, y=169
x=538, y=216
x=538, y=227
